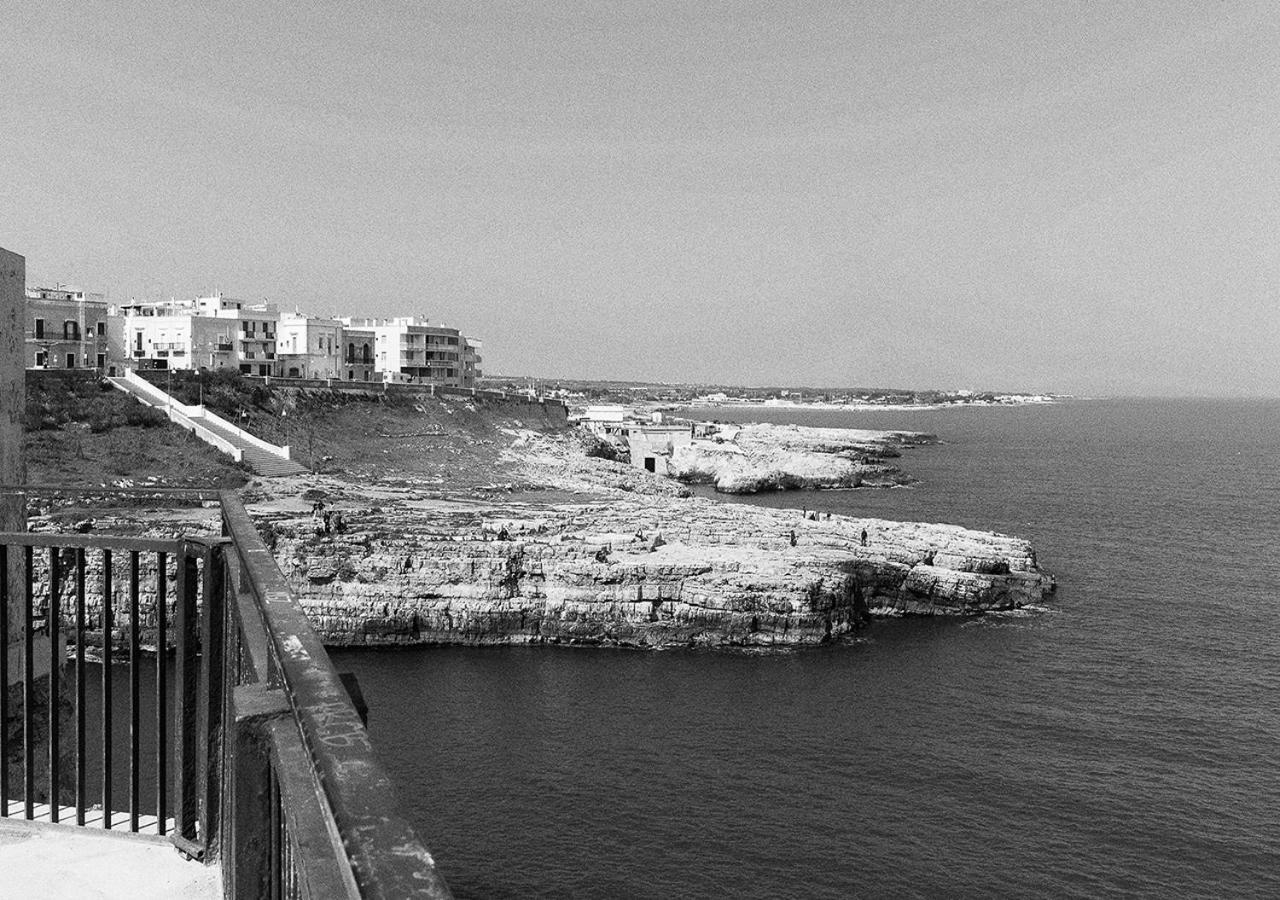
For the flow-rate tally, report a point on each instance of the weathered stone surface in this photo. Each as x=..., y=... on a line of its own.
x=637, y=572
x=634, y=565
x=764, y=457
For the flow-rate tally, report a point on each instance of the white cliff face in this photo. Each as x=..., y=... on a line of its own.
x=638, y=572
x=764, y=457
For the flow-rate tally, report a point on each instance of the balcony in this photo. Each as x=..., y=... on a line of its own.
x=252, y=760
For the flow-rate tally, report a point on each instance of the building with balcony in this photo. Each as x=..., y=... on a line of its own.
x=357, y=359
x=471, y=362
x=409, y=350
x=206, y=333
x=65, y=329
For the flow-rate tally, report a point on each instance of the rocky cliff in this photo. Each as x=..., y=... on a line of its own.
x=640, y=572
x=764, y=457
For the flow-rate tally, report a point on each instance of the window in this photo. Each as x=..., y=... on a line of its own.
x=71, y=360
x=70, y=331
x=102, y=328
x=40, y=329
x=42, y=359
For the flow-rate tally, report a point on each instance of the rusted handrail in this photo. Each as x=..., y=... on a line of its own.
x=273, y=773
x=386, y=858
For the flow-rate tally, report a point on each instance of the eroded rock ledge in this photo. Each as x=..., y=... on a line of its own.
x=751, y=458
x=639, y=572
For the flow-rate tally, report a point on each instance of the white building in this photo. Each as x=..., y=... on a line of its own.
x=310, y=347
x=209, y=332
x=653, y=445
x=407, y=349
x=255, y=339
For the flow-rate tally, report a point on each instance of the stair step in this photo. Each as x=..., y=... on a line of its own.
x=257, y=459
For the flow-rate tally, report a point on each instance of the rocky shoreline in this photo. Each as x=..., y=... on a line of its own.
x=514, y=532
x=630, y=561
x=751, y=458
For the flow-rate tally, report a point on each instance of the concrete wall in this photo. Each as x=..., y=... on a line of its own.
x=13, y=283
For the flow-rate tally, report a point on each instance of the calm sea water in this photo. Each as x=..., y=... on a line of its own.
x=1124, y=741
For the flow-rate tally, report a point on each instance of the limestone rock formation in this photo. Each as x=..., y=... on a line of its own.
x=637, y=572
x=763, y=457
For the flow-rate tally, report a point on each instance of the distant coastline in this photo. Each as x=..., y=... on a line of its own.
x=753, y=403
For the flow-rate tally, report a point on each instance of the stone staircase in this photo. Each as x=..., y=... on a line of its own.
x=262, y=462
x=257, y=454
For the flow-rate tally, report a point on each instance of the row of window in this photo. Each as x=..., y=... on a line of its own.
x=70, y=330
x=45, y=360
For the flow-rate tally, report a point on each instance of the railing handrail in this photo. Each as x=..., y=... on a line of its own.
x=177, y=493
x=90, y=541
x=387, y=858
x=263, y=727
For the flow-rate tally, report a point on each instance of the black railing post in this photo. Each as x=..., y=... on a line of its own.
x=162, y=693
x=135, y=689
x=186, y=799
x=108, y=625
x=28, y=687
x=4, y=688
x=215, y=676
x=52, y=625
x=81, y=798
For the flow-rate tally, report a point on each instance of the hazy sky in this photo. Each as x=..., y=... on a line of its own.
x=1048, y=195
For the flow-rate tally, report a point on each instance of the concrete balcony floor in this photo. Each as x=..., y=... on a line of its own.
x=52, y=862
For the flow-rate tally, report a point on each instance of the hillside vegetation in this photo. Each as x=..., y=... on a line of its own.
x=80, y=431
x=451, y=440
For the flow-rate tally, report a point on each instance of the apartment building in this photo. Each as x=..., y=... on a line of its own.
x=72, y=329
x=65, y=329
x=409, y=350
x=206, y=333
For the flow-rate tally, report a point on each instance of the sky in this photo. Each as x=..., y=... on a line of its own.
x=1072, y=197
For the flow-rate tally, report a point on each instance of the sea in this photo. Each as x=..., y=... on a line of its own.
x=1121, y=740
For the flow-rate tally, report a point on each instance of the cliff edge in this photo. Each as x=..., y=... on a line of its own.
x=636, y=572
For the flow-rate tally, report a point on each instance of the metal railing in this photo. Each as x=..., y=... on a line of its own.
x=241, y=744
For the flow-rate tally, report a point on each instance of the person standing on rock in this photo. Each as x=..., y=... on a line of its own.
x=793, y=537
x=864, y=537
